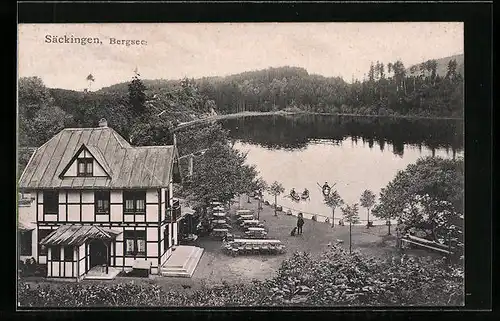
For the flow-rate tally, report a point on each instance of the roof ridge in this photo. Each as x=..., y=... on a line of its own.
x=84, y=128
x=160, y=146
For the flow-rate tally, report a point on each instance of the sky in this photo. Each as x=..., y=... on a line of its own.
x=194, y=50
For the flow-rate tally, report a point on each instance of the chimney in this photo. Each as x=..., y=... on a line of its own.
x=103, y=123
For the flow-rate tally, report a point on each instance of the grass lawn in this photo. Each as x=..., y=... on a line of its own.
x=216, y=267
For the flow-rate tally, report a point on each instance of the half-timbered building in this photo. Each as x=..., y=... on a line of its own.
x=99, y=201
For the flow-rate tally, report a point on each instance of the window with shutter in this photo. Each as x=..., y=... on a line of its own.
x=135, y=243
x=85, y=166
x=134, y=202
x=101, y=202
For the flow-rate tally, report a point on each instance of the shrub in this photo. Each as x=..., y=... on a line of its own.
x=337, y=278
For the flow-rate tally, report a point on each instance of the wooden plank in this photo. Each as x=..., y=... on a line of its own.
x=95, y=136
x=168, y=154
x=73, y=145
x=425, y=241
x=45, y=161
x=104, y=140
x=31, y=168
x=115, y=157
x=51, y=175
x=122, y=171
x=426, y=246
x=147, y=168
x=86, y=133
x=145, y=173
x=161, y=165
x=137, y=167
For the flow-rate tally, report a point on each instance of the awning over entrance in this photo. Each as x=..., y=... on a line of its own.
x=77, y=234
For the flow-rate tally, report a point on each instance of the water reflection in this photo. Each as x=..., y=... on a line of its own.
x=295, y=132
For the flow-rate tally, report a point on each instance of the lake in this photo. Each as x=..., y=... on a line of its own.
x=355, y=153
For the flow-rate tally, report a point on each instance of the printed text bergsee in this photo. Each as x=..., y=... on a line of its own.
x=92, y=40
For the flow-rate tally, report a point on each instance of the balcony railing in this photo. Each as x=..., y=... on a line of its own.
x=174, y=212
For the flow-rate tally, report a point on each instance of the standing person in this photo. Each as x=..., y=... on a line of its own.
x=300, y=223
x=326, y=189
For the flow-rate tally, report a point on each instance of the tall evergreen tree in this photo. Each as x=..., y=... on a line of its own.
x=137, y=96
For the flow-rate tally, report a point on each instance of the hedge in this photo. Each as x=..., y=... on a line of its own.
x=335, y=279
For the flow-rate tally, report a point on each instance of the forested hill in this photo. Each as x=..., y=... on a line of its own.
x=388, y=89
x=442, y=66
x=432, y=88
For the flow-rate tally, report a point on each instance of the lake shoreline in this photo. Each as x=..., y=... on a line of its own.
x=293, y=113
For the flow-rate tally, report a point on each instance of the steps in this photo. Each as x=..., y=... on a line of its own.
x=182, y=262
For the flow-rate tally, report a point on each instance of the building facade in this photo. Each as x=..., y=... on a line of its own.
x=99, y=201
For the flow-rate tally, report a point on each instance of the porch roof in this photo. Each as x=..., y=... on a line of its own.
x=73, y=234
x=25, y=226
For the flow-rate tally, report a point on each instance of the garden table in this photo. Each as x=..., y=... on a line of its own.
x=256, y=229
x=219, y=214
x=246, y=217
x=257, y=241
x=243, y=212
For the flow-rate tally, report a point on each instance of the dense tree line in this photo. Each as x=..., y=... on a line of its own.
x=388, y=89
x=145, y=111
x=433, y=88
x=144, y=118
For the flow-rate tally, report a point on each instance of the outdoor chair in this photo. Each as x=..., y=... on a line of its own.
x=265, y=248
x=256, y=249
x=234, y=251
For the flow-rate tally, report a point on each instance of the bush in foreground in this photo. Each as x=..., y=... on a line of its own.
x=335, y=279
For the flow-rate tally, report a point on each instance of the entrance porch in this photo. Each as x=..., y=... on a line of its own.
x=76, y=250
x=102, y=272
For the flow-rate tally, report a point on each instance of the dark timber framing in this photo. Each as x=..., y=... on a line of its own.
x=147, y=225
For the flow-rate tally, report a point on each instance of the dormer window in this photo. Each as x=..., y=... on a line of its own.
x=85, y=167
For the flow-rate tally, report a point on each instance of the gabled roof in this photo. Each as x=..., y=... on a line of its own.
x=129, y=167
x=95, y=153
x=99, y=157
x=72, y=234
